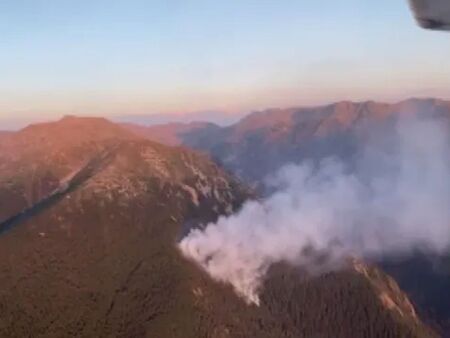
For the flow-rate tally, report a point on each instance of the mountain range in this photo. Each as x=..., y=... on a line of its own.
x=91, y=212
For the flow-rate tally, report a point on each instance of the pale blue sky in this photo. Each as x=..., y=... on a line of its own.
x=133, y=56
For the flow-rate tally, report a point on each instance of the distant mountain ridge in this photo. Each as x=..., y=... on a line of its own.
x=210, y=116
x=175, y=133
x=263, y=141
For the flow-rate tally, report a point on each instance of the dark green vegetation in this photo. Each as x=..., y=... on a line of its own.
x=360, y=300
x=426, y=278
x=100, y=260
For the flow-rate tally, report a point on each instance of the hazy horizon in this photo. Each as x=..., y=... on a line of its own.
x=216, y=117
x=135, y=58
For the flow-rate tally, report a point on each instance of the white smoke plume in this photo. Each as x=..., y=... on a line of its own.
x=395, y=199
